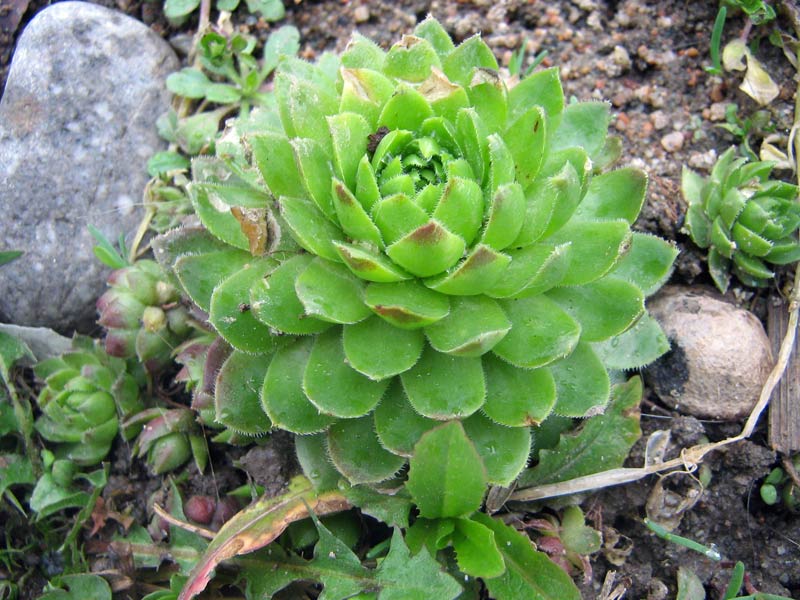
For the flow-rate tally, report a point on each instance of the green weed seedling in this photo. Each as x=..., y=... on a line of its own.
x=689, y=585
x=779, y=486
x=179, y=11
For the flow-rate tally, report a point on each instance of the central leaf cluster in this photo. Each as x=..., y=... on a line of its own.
x=438, y=246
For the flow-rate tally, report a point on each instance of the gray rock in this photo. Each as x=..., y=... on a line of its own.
x=720, y=355
x=43, y=343
x=77, y=125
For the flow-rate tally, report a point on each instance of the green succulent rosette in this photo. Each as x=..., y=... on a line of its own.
x=745, y=219
x=405, y=239
x=86, y=392
x=142, y=315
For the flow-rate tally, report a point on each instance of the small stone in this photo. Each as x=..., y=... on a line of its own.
x=621, y=58
x=672, y=142
x=659, y=120
x=361, y=14
x=720, y=355
x=200, y=509
x=77, y=125
x=703, y=160
x=716, y=111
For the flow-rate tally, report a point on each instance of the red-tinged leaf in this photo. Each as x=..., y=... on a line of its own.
x=260, y=524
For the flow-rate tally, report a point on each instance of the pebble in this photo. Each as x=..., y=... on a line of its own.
x=672, y=142
x=77, y=125
x=703, y=160
x=660, y=120
x=716, y=112
x=361, y=14
x=720, y=355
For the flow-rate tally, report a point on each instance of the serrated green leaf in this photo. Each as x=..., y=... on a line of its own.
x=274, y=301
x=379, y=350
x=271, y=10
x=550, y=202
x=357, y=453
x=501, y=163
x=397, y=424
x=304, y=103
x=474, y=326
x=330, y=292
x=217, y=218
x=752, y=266
x=617, y=194
x=428, y=250
x=78, y=587
x=310, y=228
x=517, y=397
x=719, y=269
x=542, y=88
x=504, y=450
x=472, y=53
x=582, y=124
x=648, y=263
x=529, y=573
x=230, y=313
x=274, y=157
x=582, y=383
x=430, y=29
x=369, y=264
x=750, y=242
x=198, y=131
x=396, y=216
x=460, y=208
x=476, y=550
x=406, y=304
x=162, y=162
x=596, y=248
x=441, y=386
x=199, y=274
x=283, y=41
x=176, y=9
x=411, y=59
x=237, y=392
x=312, y=454
x=350, y=133
x=282, y=395
x=472, y=138
x=541, y=332
x=390, y=508
x=640, y=345
x=603, y=308
x=576, y=535
x=352, y=217
x=15, y=470
x=526, y=137
x=315, y=170
x=533, y=270
x=505, y=217
x=406, y=109
x=333, y=386
x=601, y=443
x=446, y=476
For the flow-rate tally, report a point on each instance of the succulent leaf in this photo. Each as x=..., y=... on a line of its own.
x=239, y=383
x=357, y=453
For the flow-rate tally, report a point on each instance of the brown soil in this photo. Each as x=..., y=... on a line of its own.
x=646, y=57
